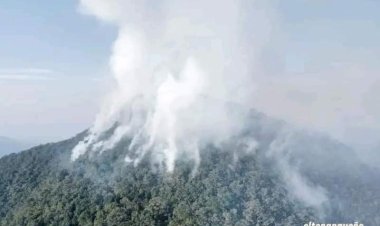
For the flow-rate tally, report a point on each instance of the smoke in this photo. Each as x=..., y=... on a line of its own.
x=280, y=150
x=176, y=66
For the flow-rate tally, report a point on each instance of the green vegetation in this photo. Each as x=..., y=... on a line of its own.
x=40, y=187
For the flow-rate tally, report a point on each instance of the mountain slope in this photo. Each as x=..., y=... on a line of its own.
x=231, y=187
x=37, y=195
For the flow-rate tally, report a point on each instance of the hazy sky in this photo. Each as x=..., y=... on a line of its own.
x=323, y=71
x=51, y=59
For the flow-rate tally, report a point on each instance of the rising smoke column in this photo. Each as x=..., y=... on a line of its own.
x=170, y=61
x=177, y=66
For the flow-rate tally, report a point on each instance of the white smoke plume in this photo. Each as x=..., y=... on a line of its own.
x=298, y=186
x=176, y=65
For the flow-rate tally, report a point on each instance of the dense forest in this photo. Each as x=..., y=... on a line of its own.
x=41, y=186
x=37, y=190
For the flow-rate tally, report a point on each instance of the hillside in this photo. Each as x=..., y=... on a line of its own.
x=41, y=186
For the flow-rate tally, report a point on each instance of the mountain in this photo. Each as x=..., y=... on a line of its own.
x=41, y=186
x=9, y=145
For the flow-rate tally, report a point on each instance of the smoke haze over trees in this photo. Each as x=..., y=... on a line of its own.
x=203, y=126
x=42, y=186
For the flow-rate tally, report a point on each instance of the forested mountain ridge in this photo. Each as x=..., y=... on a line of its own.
x=37, y=190
x=41, y=186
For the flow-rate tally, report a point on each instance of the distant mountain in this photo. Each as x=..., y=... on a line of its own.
x=41, y=186
x=9, y=145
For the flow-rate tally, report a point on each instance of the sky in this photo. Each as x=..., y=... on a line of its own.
x=52, y=60
x=322, y=70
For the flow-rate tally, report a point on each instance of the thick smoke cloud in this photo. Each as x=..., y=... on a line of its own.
x=176, y=64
